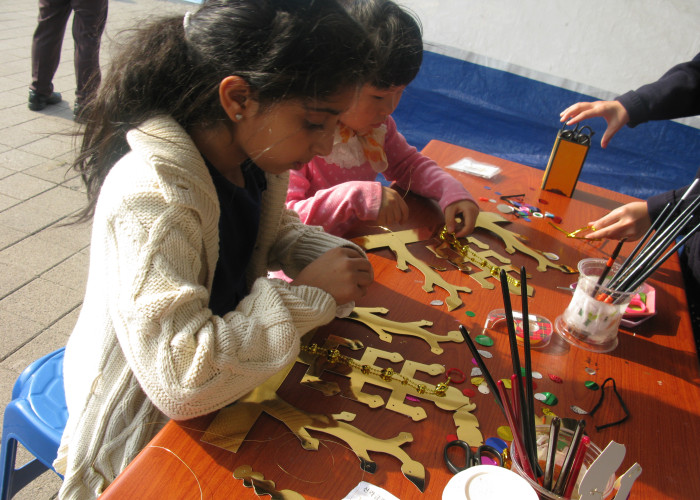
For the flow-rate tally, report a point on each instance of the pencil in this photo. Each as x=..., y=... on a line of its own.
x=529, y=410
x=660, y=220
x=661, y=239
x=569, y=459
x=520, y=392
x=482, y=366
x=551, y=453
x=608, y=266
x=576, y=467
x=517, y=438
x=649, y=271
x=630, y=258
x=651, y=258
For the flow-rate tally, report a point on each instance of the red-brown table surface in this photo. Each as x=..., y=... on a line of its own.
x=655, y=368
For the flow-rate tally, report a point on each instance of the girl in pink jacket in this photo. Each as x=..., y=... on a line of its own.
x=338, y=190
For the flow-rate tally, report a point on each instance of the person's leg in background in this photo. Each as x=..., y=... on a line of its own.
x=46, y=51
x=89, y=19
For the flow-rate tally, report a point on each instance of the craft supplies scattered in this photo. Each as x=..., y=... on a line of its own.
x=456, y=375
x=505, y=432
x=471, y=458
x=518, y=207
x=386, y=374
x=472, y=256
x=470, y=166
x=576, y=233
x=589, y=322
x=484, y=340
x=547, y=398
x=642, y=307
x=540, y=328
x=480, y=362
x=555, y=443
x=600, y=402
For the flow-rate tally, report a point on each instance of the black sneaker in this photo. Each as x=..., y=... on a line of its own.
x=38, y=102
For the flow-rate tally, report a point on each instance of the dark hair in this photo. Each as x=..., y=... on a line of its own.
x=284, y=49
x=397, y=38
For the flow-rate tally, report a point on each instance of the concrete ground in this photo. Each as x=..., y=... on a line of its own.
x=43, y=263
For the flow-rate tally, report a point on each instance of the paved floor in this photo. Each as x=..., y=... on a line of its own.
x=43, y=263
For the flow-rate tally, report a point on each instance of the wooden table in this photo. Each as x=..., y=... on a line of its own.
x=655, y=367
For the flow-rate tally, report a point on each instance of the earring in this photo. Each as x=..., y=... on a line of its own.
x=238, y=116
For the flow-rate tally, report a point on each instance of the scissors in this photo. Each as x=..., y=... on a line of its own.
x=470, y=457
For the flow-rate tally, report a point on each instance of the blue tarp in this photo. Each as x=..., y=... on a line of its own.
x=517, y=118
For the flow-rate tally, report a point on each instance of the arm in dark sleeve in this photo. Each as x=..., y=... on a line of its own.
x=656, y=203
x=675, y=95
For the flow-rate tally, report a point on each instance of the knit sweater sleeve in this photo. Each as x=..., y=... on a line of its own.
x=675, y=95
x=188, y=361
x=413, y=171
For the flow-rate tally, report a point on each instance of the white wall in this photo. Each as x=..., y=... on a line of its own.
x=598, y=47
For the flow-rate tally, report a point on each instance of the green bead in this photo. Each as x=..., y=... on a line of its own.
x=547, y=398
x=592, y=385
x=484, y=340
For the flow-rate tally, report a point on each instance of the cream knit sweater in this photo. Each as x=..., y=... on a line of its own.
x=146, y=348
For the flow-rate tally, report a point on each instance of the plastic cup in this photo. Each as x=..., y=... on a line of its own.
x=563, y=443
x=589, y=321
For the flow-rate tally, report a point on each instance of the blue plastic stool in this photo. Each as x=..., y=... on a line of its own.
x=35, y=418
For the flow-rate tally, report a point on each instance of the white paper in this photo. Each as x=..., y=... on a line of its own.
x=368, y=491
x=470, y=166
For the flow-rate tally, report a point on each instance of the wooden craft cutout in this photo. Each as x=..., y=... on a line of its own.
x=487, y=268
x=261, y=486
x=232, y=424
x=396, y=242
x=382, y=326
x=596, y=478
x=454, y=400
x=624, y=482
x=490, y=221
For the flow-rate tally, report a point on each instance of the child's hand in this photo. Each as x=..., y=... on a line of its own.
x=394, y=209
x=469, y=212
x=343, y=272
x=629, y=221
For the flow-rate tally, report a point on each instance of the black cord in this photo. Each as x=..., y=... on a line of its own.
x=600, y=401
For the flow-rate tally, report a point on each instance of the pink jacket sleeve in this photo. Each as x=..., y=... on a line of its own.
x=335, y=207
x=415, y=172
